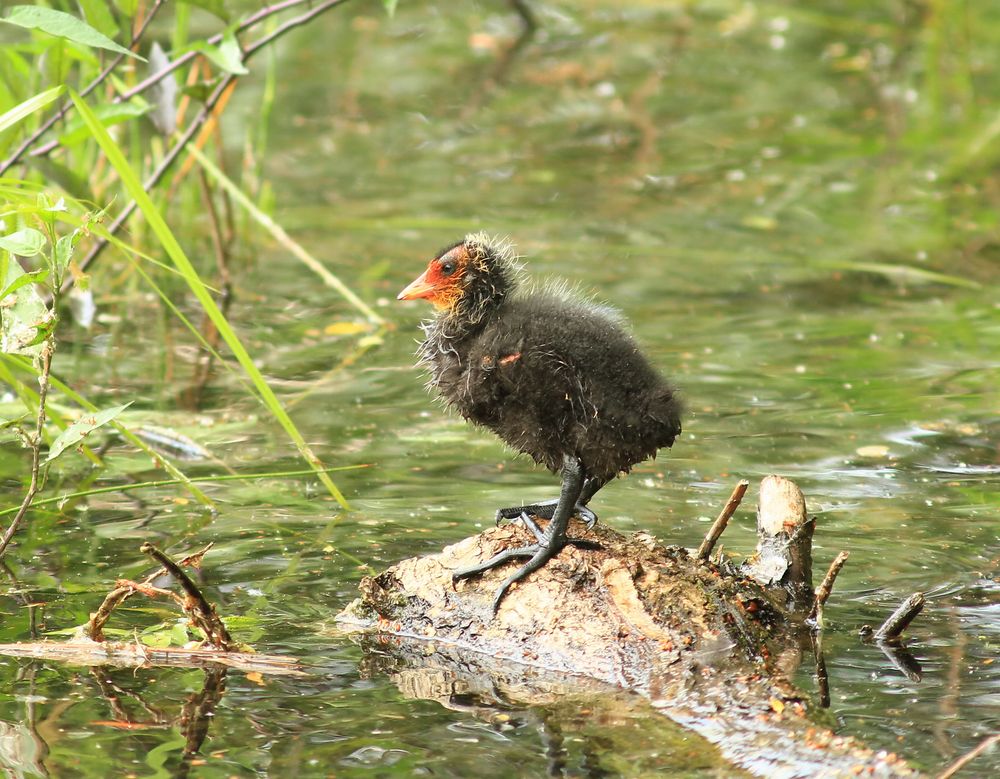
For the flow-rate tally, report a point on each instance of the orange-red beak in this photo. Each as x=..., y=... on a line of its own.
x=418, y=288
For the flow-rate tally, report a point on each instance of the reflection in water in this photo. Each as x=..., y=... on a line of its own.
x=25, y=746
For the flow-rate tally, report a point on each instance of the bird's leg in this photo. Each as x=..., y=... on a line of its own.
x=553, y=539
x=544, y=509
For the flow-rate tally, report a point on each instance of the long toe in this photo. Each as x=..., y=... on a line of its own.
x=543, y=510
x=542, y=556
x=493, y=562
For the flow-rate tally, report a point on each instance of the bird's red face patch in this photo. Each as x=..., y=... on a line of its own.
x=441, y=282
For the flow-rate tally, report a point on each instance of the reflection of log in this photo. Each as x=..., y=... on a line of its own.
x=698, y=640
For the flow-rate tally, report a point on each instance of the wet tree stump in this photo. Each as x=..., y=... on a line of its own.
x=709, y=646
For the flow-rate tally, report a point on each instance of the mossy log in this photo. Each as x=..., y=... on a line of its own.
x=708, y=646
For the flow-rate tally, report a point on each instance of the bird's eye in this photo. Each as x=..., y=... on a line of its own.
x=447, y=268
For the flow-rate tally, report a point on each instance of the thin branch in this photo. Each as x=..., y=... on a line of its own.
x=36, y=446
x=826, y=587
x=968, y=757
x=94, y=629
x=204, y=114
x=32, y=139
x=157, y=174
x=719, y=526
x=202, y=612
x=893, y=627
x=157, y=77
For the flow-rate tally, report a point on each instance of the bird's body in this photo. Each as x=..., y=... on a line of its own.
x=555, y=377
x=552, y=376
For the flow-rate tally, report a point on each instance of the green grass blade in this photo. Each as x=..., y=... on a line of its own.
x=28, y=107
x=285, y=239
x=183, y=264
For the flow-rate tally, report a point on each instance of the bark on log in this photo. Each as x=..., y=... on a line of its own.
x=784, y=541
x=706, y=645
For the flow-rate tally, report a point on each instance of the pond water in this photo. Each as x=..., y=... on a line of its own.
x=790, y=207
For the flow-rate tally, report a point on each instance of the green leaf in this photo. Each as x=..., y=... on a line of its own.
x=43, y=330
x=227, y=55
x=35, y=277
x=127, y=7
x=97, y=13
x=183, y=264
x=63, y=25
x=29, y=106
x=214, y=7
x=20, y=321
x=26, y=242
x=83, y=427
x=390, y=7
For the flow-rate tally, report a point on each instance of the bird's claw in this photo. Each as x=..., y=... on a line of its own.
x=539, y=553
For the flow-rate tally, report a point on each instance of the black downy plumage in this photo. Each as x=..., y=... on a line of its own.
x=555, y=377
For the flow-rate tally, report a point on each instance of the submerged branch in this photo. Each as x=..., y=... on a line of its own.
x=968, y=757
x=202, y=612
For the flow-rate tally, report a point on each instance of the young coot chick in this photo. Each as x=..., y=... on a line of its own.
x=555, y=377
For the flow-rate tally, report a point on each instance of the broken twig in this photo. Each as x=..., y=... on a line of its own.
x=901, y=618
x=826, y=587
x=719, y=526
x=94, y=629
x=202, y=612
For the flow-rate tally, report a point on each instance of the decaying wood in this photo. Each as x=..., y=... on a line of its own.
x=784, y=540
x=707, y=646
x=719, y=526
x=83, y=651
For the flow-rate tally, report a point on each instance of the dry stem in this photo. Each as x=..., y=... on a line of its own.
x=719, y=526
x=893, y=627
x=826, y=587
x=957, y=766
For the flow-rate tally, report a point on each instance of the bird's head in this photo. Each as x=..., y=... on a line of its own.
x=466, y=278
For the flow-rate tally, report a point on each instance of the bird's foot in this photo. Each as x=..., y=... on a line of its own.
x=544, y=510
x=539, y=554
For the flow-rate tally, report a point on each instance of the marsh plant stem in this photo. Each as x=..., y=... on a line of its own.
x=36, y=447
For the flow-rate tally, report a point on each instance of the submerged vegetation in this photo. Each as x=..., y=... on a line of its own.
x=206, y=209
